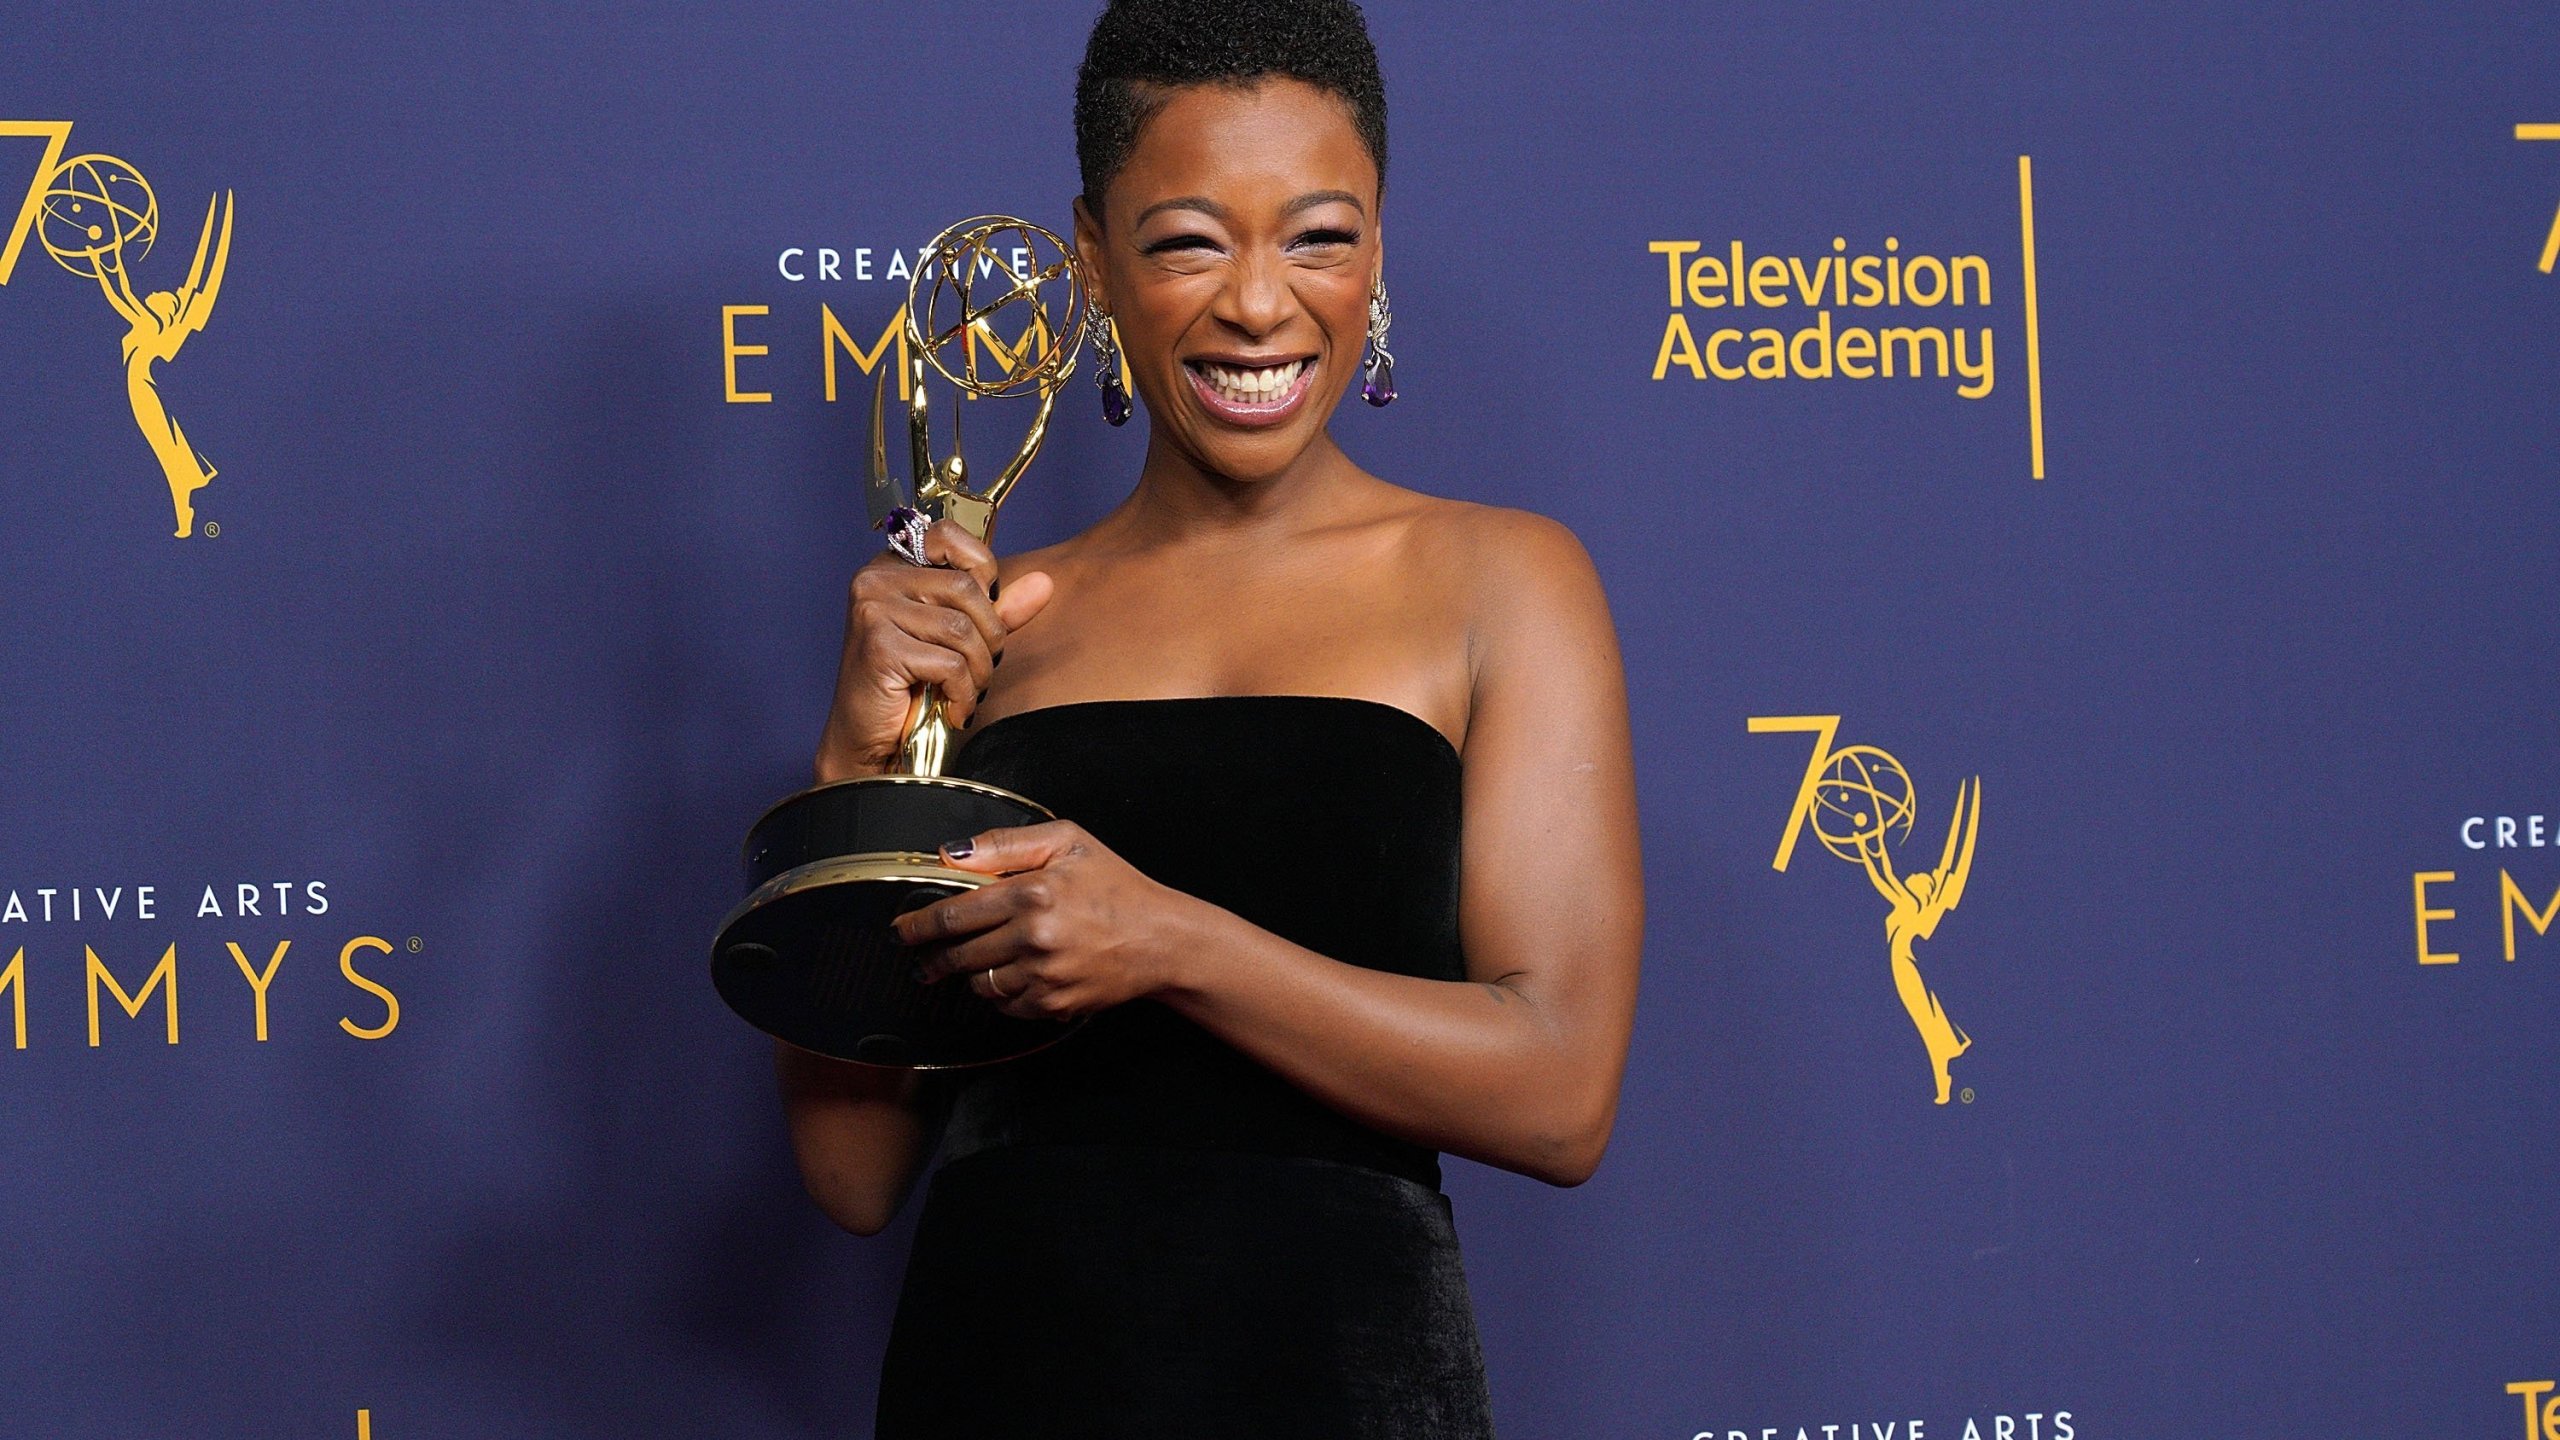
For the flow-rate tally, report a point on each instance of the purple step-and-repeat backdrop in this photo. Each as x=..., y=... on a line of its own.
x=2121, y=441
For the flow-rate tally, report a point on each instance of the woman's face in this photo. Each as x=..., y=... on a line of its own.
x=1236, y=251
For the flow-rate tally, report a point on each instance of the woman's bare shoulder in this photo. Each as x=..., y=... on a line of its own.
x=1050, y=559
x=1496, y=556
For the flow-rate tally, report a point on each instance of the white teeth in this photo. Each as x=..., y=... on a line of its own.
x=1251, y=385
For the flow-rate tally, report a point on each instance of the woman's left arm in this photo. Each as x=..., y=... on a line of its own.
x=1516, y=1066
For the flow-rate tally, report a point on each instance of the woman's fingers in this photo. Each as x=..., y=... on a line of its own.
x=999, y=983
x=996, y=924
x=1015, y=987
x=897, y=615
x=1003, y=919
x=953, y=590
x=946, y=542
x=953, y=631
x=997, y=949
x=943, y=608
x=1054, y=926
x=1015, y=848
x=1027, y=596
x=957, y=917
x=1014, y=990
x=909, y=664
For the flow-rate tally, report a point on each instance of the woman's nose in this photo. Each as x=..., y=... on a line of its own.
x=1257, y=300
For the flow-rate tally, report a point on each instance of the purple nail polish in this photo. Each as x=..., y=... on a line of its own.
x=959, y=849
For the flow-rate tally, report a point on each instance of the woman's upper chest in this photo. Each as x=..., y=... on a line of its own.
x=1314, y=623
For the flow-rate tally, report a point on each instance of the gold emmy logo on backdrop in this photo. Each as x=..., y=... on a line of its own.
x=2550, y=242
x=1860, y=804
x=96, y=215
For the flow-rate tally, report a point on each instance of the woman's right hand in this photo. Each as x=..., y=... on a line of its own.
x=909, y=626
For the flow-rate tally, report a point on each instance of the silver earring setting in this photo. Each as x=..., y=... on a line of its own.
x=1378, y=372
x=1106, y=357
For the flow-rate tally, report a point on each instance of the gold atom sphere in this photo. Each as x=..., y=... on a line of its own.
x=95, y=206
x=1863, y=797
x=980, y=309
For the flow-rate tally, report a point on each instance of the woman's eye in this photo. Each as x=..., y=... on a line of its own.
x=1172, y=243
x=1328, y=237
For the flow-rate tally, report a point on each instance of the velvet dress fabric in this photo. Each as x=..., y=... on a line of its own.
x=1140, y=1232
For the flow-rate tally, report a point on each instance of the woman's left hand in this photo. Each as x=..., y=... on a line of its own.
x=1070, y=929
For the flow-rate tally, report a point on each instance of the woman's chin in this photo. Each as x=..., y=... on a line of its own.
x=1252, y=456
x=1251, y=452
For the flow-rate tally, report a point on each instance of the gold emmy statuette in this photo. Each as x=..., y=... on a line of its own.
x=808, y=956
x=1862, y=802
x=100, y=215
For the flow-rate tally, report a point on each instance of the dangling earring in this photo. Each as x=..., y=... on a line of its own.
x=1106, y=355
x=1378, y=372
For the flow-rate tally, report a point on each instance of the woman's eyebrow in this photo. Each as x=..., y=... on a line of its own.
x=1314, y=198
x=1201, y=203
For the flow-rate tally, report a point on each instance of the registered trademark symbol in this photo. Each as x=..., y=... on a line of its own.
x=1965, y=1095
x=213, y=529
x=418, y=943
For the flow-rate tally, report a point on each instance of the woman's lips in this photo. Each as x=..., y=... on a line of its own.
x=1252, y=414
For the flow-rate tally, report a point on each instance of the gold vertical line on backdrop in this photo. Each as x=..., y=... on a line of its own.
x=2035, y=359
x=2551, y=244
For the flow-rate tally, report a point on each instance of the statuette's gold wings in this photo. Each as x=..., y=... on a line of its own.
x=195, y=298
x=1946, y=883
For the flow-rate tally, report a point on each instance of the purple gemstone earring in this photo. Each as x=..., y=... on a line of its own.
x=1106, y=355
x=1378, y=372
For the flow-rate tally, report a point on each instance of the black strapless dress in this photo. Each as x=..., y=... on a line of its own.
x=1141, y=1232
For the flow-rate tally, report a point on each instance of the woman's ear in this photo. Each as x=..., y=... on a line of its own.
x=1089, y=254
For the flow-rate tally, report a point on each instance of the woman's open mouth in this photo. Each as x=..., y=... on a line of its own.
x=1251, y=395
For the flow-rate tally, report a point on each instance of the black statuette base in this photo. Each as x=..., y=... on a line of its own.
x=809, y=958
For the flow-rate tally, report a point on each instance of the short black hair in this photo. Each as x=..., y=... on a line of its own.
x=1140, y=49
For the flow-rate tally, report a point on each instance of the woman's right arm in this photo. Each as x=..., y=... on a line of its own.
x=861, y=1133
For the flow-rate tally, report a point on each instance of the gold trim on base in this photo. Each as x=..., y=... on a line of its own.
x=901, y=866
x=981, y=787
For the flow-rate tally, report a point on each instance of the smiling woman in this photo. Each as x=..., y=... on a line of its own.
x=1250, y=301
x=1347, y=875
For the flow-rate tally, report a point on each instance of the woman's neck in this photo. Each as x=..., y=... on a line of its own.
x=1177, y=500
